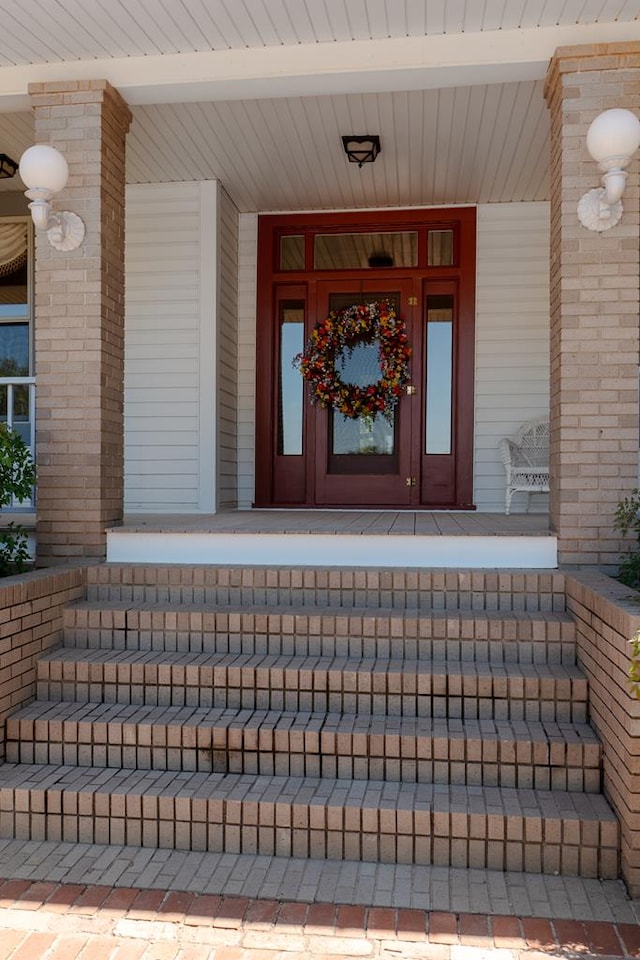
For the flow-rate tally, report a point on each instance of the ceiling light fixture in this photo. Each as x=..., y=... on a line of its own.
x=8, y=167
x=361, y=150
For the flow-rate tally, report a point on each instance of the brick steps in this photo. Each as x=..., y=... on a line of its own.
x=393, y=687
x=539, y=636
x=485, y=827
x=409, y=716
x=486, y=753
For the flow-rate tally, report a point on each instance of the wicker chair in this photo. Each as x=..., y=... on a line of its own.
x=526, y=460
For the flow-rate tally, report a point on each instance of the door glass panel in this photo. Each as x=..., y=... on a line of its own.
x=290, y=382
x=440, y=248
x=349, y=251
x=362, y=436
x=439, y=377
x=292, y=253
x=360, y=366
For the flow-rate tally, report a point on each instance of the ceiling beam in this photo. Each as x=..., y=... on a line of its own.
x=359, y=66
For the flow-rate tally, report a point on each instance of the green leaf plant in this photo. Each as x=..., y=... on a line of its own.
x=626, y=520
x=17, y=480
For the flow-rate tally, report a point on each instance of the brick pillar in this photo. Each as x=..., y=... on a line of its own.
x=79, y=324
x=594, y=311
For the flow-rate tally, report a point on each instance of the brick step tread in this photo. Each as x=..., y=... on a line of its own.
x=142, y=609
x=429, y=600
x=545, y=831
x=252, y=724
x=53, y=663
x=505, y=753
x=530, y=637
x=395, y=687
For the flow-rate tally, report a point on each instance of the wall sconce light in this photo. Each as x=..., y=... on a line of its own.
x=44, y=171
x=361, y=149
x=612, y=139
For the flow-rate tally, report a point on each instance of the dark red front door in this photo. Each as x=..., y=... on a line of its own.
x=359, y=460
x=421, y=454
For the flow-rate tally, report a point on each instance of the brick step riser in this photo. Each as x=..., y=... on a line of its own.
x=427, y=600
x=311, y=831
x=126, y=747
x=353, y=646
x=470, y=706
x=484, y=589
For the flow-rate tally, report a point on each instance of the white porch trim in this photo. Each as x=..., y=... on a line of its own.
x=313, y=550
x=353, y=66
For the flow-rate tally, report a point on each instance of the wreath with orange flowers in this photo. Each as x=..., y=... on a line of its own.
x=343, y=331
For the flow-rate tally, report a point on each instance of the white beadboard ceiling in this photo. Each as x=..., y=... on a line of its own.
x=473, y=142
x=43, y=31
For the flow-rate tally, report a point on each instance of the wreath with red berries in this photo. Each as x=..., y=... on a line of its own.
x=343, y=331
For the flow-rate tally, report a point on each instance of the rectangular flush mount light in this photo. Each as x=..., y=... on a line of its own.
x=8, y=167
x=361, y=149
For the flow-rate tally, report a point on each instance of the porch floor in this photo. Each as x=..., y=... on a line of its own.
x=355, y=522
x=420, y=538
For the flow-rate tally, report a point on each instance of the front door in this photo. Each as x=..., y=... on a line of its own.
x=361, y=459
x=418, y=454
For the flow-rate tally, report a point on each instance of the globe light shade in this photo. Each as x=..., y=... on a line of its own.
x=43, y=167
x=614, y=134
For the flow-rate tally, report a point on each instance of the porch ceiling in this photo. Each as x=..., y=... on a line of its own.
x=454, y=89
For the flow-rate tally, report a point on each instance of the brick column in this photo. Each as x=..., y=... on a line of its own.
x=594, y=311
x=79, y=324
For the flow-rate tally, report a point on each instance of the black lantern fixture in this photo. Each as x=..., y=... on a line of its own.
x=8, y=167
x=361, y=149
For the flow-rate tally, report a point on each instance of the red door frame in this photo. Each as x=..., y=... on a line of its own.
x=280, y=481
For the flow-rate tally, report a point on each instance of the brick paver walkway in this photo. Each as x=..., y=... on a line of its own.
x=44, y=920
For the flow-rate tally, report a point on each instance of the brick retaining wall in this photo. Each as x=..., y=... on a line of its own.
x=30, y=623
x=607, y=616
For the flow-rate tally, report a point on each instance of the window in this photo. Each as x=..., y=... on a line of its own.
x=16, y=363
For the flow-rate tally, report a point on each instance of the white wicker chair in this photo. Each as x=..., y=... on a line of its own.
x=526, y=460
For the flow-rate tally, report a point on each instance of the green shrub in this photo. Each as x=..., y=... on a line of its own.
x=17, y=479
x=626, y=519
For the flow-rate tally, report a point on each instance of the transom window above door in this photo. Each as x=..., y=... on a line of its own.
x=435, y=246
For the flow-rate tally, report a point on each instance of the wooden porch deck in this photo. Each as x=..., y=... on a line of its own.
x=421, y=538
x=355, y=522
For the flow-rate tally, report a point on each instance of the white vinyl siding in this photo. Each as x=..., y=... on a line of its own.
x=512, y=338
x=227, y=427
x=170, y=348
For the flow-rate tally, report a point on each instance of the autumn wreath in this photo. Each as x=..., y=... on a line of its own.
x=341, y=332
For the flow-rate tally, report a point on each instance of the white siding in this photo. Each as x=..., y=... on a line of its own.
x=247, y=291
x=512, y=341
x=170, y=348
x=512, y=338
x=227, y=427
